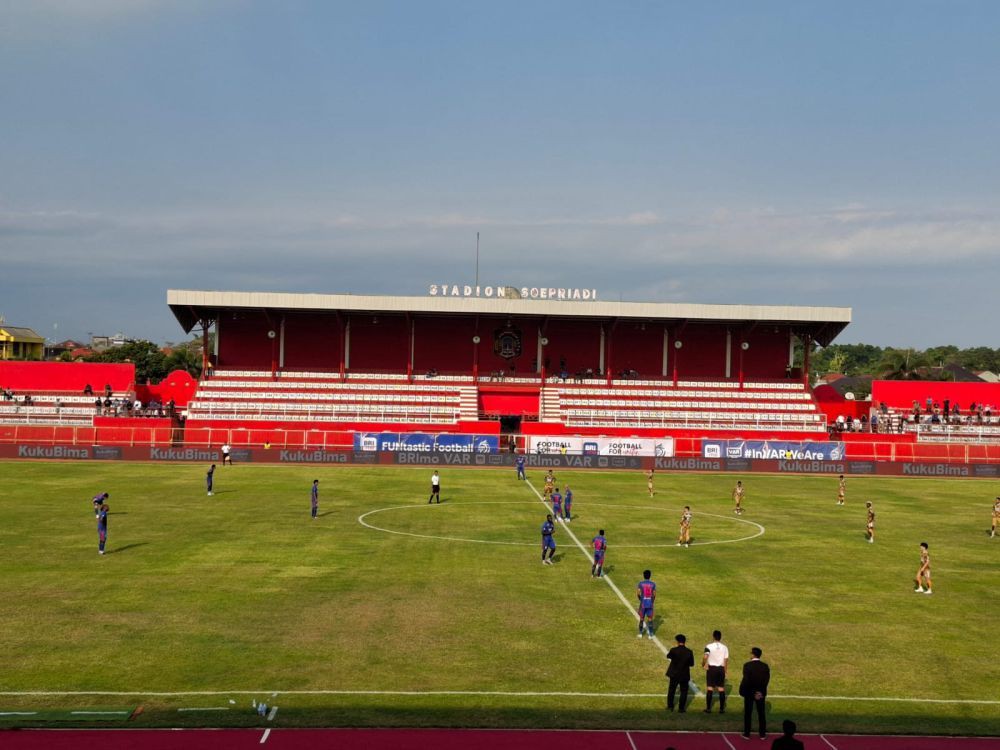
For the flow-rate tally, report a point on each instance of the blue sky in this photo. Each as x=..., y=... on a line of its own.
x=763, y=153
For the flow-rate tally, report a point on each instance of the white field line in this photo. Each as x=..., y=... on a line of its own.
x=367, y=524
x=631, y=741
x=267, y=733
x=459, y=693
x=273, y=713
x=605, y=578
x=726, y=740
x=18, y=713
x=828, y=742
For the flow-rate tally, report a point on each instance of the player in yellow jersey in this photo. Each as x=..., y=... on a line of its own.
x=685, y=538
x=649, y=482
x=870, y=528
x=996, y=517
x=550, y=484
x=841, y=490
x=924, y=571
x=738, y=493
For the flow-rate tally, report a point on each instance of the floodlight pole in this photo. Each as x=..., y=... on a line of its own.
x=477, y=260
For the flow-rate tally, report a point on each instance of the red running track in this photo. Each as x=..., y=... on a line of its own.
x=448, y=739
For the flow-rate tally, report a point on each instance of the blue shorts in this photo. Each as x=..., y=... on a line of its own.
x=599, y=557
x=645, y=612
x=548, y=543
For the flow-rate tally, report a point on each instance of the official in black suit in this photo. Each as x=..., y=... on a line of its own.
x=753, y=688
x=679, y=672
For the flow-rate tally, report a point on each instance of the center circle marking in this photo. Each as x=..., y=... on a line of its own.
x=361, y=519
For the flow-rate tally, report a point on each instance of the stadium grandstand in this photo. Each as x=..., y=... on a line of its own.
x=317, y=371
x=503, y=365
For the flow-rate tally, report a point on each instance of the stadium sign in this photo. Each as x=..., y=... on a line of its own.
x=512, y=292
x=779, y=450
x=600, y=446
x=421, y=442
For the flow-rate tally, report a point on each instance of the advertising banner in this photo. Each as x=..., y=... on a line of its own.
x=422, y=442
x=777, y=450
x=601, y=446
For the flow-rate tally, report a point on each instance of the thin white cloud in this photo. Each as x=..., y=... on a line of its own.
x=866, y=237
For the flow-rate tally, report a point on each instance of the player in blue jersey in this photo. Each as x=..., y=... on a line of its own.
x=314, y=498
x=548, y=543
x=102, y=527
x=519, y=462
x=568, y=505
x=556, y=500
x=646, y=592
x=98, y=502
x=600, y=544
x=208, y=479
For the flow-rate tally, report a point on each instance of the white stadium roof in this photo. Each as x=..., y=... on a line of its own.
x=188, y=306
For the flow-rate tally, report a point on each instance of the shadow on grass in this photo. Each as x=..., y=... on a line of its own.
x=119, y=550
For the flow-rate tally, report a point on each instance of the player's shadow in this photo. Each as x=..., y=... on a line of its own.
x=655, y=623
x=609, y=569
x=118, y=513
x=127, y=547
x=222, y=492
x=325, y=513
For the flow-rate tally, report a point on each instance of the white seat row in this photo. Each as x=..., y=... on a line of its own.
x=700, y=415
x=443, y=417
x=196, y=406
x=321, y=397
x=39, y=409
x=686, y=393
x=632, y=403
x=322, y=387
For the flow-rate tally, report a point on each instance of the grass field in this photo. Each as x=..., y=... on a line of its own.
x=242, y=594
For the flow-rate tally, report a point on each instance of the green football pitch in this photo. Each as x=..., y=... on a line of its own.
x=387, y=611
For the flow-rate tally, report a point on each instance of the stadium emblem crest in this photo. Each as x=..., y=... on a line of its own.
x=507, y=343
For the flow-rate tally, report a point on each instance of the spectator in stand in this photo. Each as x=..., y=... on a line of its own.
x=28, y=401
x=873, y=422
x=171, y=408
x=107, y=389
x=88, y=390
x=137, y=407
x=97, y=406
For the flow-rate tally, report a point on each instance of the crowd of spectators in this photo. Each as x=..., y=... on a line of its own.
x=930, y=415
x=131, y=406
